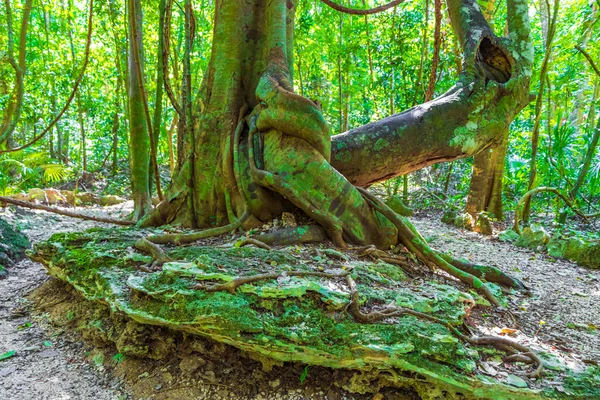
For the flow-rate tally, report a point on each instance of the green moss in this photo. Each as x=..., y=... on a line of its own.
x=289, y=319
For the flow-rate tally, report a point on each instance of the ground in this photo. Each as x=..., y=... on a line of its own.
x=51, y=363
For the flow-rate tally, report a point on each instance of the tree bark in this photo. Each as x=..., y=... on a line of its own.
x=262, y=149
x=139, y=140
x=15, y=104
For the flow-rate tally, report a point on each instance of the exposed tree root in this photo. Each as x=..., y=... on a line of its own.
x=293, y=235
x=277, y=184
x=517, y=350
x=184, y=238
x=159, y=257
x=378, y=254
x=251, y=241
x=65, y=212
x=415, y=243
x=233, y=284
x=487, y=272
x=527, y=196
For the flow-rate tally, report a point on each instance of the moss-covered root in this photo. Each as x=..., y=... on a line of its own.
x=487, y=272
x=274, y=182
x=293, y=235
x=415, y=243
x=183, y=238
x=159, y=257
x=518, y=352
x=233, y=284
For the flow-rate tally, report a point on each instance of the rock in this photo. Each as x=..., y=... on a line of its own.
x=53, y=196
x=483, y=224
x=465, y=221
x=70, y=196
x=585, y=253
x=191, y=363
x=86, y=197
x=110, y=200
x=449, y=216
x=12, y=246
x=508, y=235
x=36, y=195
x=532, y=237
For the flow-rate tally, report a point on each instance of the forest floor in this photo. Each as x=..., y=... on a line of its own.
x=52, y=363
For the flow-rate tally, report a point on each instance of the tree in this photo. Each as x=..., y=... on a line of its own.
x=256, y=148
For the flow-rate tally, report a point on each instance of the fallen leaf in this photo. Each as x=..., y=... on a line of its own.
x=508, y=331
x=7, y=355
x=516, y=381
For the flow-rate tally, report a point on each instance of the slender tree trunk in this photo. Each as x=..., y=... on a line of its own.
x=436, y=51
x=139, y=141
x=12, y=113
x=538, y=109
x=157, y=119
x=81, y=122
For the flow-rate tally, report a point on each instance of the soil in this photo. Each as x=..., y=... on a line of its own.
x=54, y=362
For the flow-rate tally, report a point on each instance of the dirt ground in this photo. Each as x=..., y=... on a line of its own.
x=49, y=363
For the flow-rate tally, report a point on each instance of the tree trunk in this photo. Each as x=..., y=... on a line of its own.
x=259, y=149
x=12, y=113
x=538, y=109
x=485, y=191
x=139, y=140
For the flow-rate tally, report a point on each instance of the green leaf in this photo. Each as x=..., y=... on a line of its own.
x=47, y=343
x=26, y=325
x=7, y=355
x=516, y=381
x=304, y=374
x=118, y=358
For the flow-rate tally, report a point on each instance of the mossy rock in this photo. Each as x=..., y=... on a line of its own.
x=465, y=221
x=12, y=246
x=508, y=235
x=483, y=224
x=583, y=252
x=449, y=216
x=298, y=318
x=533, y=237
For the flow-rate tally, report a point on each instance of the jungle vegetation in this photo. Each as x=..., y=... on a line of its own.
x=232, y=112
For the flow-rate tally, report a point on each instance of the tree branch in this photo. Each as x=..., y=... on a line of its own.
x=589, y=58
x=66, y=213
x=75, y=87
x=354, y=11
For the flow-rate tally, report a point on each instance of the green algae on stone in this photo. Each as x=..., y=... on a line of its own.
x=288, y=319
x=583, y=252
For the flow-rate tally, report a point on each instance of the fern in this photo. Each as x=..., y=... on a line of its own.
x=54, y=172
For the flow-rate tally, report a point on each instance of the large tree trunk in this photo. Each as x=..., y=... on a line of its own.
x=260, y=148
